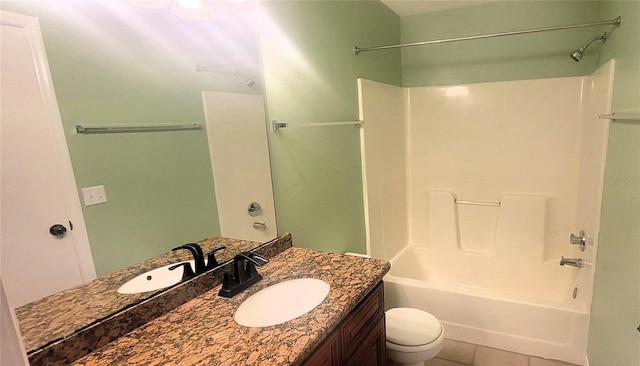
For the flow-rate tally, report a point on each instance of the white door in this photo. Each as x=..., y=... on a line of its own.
x=236, y=129
x=38, y=189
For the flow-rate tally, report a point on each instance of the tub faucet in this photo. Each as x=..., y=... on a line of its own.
x=575, y=262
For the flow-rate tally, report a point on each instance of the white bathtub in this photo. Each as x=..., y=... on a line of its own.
x=550, y=327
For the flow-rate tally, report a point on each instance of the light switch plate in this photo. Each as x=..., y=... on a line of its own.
x=94, y=195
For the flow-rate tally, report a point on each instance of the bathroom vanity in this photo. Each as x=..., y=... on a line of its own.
x=64, y=326
x=346, y=328
x=359, y=339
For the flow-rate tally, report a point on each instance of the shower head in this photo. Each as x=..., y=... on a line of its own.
x=577, y=54
x=236, y=73
x=248, y=82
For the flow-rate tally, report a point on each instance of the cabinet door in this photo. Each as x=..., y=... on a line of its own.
x=372, y=350
x=328, y=354
x=360, y=338
x=358, y=323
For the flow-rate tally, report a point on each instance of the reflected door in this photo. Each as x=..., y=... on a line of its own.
x=40, y=251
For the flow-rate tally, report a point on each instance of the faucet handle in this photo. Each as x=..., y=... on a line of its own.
x=253, y=256
x=243, y=266
x=211, y=257
x=581, y=240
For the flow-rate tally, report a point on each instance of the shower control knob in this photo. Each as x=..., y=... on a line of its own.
x=254, y=209
x=579, y=240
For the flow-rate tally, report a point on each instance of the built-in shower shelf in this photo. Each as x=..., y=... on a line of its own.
x=628, y=115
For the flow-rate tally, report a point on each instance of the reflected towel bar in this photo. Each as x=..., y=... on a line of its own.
x=632, y=114
x=136, y=128
x=278, y=125
x=477, y=203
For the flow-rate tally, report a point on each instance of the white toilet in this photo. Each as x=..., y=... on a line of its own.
x=413, y=336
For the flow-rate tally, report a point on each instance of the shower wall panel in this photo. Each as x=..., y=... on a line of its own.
x=482, y=141
x=384, y=167
x=533, y=149
x=532, y=154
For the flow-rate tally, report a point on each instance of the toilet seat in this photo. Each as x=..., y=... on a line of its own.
x=412, y=330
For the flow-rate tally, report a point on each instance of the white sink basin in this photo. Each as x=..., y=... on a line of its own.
x=155, y=279
x=281, y=302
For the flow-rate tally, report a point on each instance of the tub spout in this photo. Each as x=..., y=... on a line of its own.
x=575, y=262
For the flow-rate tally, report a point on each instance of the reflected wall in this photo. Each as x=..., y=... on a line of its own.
x=112, y=63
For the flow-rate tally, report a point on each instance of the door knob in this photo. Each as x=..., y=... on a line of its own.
x=57, y=230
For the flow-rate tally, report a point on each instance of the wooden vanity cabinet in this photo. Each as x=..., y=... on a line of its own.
x=359, y=340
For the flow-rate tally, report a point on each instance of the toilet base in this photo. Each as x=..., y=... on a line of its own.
x=392, y=363
x=398, y=358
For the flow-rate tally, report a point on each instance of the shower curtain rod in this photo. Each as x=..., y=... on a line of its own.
x=616, y=22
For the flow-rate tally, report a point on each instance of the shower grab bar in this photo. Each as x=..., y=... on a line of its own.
x=477, y=203
x=615, y=22
x=278, y=125
x=136, y=128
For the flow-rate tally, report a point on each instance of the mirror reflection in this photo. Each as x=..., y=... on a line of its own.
x=119, y=64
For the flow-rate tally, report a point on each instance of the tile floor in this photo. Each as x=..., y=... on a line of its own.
x=455, y=353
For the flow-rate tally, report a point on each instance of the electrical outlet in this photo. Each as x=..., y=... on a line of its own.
x=94, y=195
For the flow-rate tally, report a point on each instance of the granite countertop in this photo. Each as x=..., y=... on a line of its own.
x=62, y=314
x=203, y=332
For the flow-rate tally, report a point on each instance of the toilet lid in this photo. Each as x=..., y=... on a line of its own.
x=411, y=327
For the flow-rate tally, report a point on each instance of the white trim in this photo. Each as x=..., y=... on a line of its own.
x=363, y=166
x=68, y=183
x=12, y=346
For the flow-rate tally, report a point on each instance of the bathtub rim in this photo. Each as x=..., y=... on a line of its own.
x=580, y=306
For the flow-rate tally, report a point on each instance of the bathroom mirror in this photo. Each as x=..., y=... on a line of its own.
x=115, y=63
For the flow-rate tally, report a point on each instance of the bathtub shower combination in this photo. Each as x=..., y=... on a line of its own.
x=473, y=191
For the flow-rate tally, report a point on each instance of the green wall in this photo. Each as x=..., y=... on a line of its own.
x=310, y=76
x=107, y=70
x=613, y=338
x=528, y=56
x=615, y=311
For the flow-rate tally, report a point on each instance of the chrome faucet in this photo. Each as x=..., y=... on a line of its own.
x=580, y=241
x=574, y=262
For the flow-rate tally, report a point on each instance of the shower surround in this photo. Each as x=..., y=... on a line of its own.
x=472, y=192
